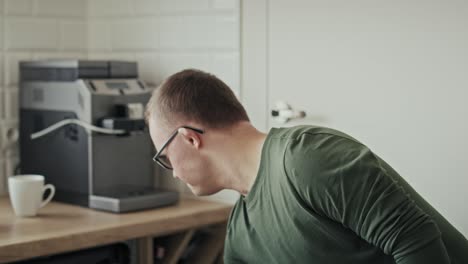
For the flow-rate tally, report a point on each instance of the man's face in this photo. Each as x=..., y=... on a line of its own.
x=187, y=161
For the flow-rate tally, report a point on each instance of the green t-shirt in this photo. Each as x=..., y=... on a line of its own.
x=321, y=196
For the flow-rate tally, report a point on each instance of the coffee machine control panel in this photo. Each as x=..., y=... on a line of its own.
x=117, y=86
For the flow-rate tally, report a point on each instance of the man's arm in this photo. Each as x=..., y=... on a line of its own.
x=343, y=180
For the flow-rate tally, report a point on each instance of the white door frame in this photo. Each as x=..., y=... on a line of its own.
x=254, y=64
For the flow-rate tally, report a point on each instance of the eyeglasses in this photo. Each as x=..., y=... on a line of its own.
x=161, y=159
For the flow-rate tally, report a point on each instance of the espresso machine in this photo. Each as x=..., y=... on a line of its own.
x=82, y=127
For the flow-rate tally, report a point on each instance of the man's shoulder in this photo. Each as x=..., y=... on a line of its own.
x=308, y=136
x=310, y=152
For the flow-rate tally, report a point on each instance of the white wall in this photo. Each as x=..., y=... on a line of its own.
x=163, y=36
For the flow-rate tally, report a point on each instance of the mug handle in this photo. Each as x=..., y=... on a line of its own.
x=51, y=194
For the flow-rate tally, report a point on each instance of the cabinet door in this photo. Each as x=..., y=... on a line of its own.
x=390, y=73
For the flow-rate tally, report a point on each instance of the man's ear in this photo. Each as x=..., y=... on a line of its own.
x=191, y=137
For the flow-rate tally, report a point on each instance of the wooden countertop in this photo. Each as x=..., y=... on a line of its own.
x=63, y=227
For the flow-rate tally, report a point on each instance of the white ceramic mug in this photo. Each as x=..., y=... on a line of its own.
x=26, y=193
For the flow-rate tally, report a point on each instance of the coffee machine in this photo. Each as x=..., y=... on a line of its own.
x=82, y=127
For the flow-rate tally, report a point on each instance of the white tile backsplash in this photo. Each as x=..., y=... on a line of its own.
x=62, y=8
x=19, y=7
x=173, y=62
x=200, y=32
x=186, y=32
x=226, y=4
x=170, y=36
x=11, y=102
x=186, y=6
x=11, y=164
x=65, y=55
x=28, y=33
x=99, y=34
x=163, y=36
x=73, y=35
x=146, y=7
x=8, y=136
x=12, y=151
x=134, y=34
x=112, y=56
x=103, y=8
x=148, y=68
x=226, y=32
x=11, y=66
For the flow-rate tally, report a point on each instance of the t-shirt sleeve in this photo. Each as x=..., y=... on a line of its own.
x=344, y=181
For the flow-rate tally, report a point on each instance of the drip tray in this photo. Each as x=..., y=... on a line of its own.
x=120, y=199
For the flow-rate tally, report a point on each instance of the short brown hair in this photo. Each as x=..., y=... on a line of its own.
x=194, y=95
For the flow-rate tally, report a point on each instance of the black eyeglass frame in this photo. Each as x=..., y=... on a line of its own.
x=156, y=157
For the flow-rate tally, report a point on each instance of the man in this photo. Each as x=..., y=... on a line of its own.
x=308, y=194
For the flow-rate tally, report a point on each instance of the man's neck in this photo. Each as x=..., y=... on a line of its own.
x=240, y=155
